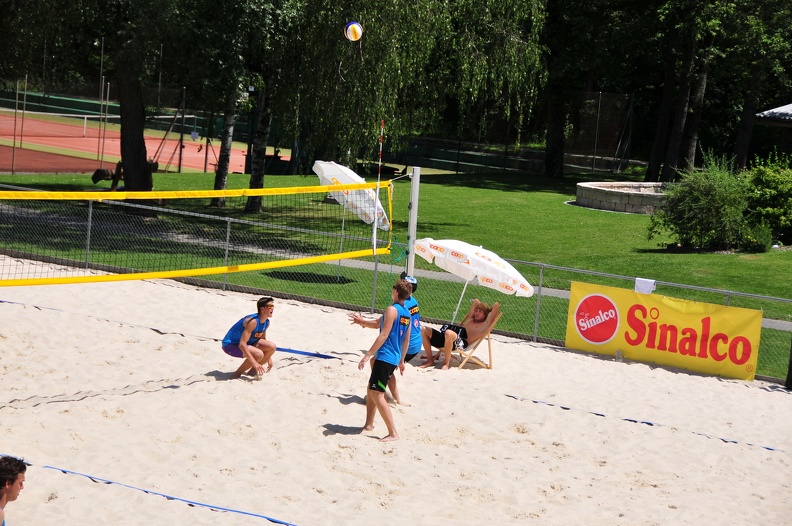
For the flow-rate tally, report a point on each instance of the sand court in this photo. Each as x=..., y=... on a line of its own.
x=125, y=384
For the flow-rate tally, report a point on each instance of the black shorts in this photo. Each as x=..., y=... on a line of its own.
x=380, y=374
x=438, y=337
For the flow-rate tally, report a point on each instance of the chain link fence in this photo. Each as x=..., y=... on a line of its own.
x=363, y=284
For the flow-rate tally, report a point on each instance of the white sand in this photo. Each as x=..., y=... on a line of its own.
x=124, y=382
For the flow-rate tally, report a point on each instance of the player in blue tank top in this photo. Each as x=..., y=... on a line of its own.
x=416, y=341
x=247, y=339
x=389, y=349
x=12, y=481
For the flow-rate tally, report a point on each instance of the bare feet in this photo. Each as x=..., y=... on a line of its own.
x=427, y=364
x=368, y=427
x=445, y=367
x=235, y=376
x=389, y=438
x=257, y=378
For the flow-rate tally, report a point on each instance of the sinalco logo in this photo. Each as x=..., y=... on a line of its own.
x=596, y=319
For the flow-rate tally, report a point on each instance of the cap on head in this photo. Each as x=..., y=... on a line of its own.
x=409, y=279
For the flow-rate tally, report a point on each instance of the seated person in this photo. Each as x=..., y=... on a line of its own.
x=479, y=320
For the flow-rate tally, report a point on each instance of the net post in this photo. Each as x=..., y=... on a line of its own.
x=415, y=183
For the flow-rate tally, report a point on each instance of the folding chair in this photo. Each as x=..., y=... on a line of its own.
x=466, y=354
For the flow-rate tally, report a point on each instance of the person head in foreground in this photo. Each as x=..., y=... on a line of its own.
x=411, y=280
x=266, y=304
x=12, y=481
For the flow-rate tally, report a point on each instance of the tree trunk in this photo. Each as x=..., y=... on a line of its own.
x=680, y=112
x=554, y=151
x=743, y=141
x=693, y=120
x=137, y=171
x=226, y=140
x=663, y=120
x=556, y=119
x=259, y=154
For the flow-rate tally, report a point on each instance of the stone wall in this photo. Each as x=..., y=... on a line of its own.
x=633, y=198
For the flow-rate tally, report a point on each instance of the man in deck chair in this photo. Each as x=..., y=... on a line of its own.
x=480, y=319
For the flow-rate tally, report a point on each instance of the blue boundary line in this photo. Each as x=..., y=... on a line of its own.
x=644, y=422
x=282, y=349
x=158, y=494
x=307, y=353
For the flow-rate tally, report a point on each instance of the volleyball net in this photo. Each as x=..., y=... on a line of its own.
x=115, y=236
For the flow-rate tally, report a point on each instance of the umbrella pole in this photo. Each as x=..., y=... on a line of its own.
x=453, y=319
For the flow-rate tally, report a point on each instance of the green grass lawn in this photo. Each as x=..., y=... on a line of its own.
x=524, y=218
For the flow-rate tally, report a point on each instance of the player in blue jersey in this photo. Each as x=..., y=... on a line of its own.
x=416, y=341
x=248, y=339
x=12, y=481
x=389, y=350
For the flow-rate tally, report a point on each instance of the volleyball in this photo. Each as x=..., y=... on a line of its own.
x=353, y=31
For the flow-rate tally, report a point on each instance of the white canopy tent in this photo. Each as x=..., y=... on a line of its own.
x=781, y=116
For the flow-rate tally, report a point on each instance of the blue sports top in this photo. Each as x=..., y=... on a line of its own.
x=234, y=334
x=390, y=350
x=415, y=321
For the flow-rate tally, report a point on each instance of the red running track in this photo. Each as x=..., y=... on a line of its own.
x=195, y=154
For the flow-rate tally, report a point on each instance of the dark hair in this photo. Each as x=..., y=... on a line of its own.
x=409, y=279
x=10, y=469
x=263, y=302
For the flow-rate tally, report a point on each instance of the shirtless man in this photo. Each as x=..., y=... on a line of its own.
x=480, y=319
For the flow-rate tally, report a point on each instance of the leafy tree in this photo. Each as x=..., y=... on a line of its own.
x=760, y=54
x=329, y=94
x=497, y=60
x=770, y=196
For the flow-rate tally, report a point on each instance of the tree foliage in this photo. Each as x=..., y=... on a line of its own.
x=481, y=70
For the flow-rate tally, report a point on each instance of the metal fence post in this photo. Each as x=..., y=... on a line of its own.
x=538, y=303
x=788, y=383
x=88, y=234
x=227, y=248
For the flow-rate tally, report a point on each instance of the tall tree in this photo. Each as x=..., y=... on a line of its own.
x=497, y=59
x=135, y=29
x=760, y=38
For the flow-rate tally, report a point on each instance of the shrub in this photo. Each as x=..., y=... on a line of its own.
x=770, y=200
x=758, y=238
x=704, y=209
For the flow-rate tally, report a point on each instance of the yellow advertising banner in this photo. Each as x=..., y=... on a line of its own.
x=701, y=337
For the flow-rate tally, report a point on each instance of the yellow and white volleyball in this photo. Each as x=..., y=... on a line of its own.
x=353, y=31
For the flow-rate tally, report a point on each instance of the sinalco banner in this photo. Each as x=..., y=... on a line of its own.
x=701, y=337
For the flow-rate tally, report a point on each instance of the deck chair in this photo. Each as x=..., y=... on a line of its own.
x=465, y=355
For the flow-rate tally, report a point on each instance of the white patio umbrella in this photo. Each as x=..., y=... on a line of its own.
x=471, y=262
x=364, y=203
